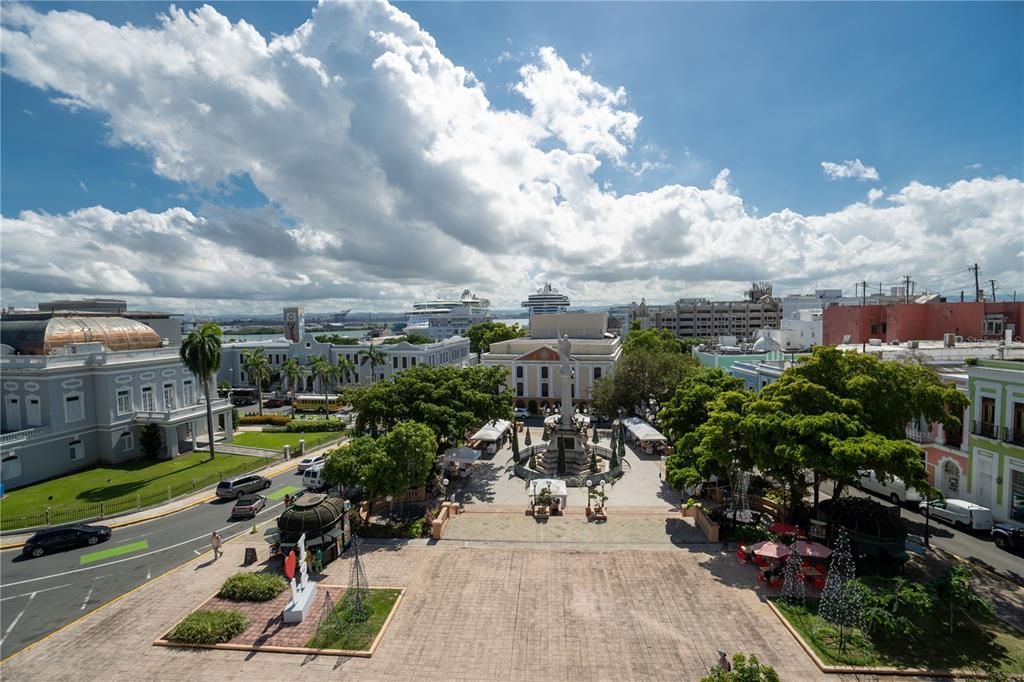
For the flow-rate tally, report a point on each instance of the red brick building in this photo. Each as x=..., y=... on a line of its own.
x=920, y=321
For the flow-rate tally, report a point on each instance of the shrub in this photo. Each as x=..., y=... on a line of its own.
x=411, y=530
x=272, y=419
x=744, y=670
x=748, y=535
x=252, y=587
x=315, y=425
x=894, y=608
x=149, y=440
x=209, y=627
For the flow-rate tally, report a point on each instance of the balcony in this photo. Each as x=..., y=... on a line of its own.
x=984, y=429
x=183, y=414
x=918, y=435
x=1014, y=436
x=24, y=435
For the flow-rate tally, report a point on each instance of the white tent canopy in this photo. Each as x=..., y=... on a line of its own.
x=643, y=431
x=558, y=489
x=461, y=455
x=493, y=431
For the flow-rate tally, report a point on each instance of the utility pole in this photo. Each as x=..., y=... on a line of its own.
x=977, y=287
x=993, y=283
x=906, y=288
x=864, y=292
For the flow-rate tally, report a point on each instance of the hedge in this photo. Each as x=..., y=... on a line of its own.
x=252, y=587
x=273, y=419
x=314, y=426
x=209, y=627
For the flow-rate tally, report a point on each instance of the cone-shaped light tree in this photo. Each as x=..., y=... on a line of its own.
x=841, y=602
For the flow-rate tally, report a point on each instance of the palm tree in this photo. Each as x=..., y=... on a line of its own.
x=200, y=353
x=346, y=369
x=256, y=364
x=292, y=371
x=319, y=369
x=375, y=357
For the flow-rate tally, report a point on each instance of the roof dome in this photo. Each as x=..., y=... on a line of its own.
x=310, y=514
x=40, y=337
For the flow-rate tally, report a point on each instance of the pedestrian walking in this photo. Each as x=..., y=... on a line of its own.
x=723, y=662
x=215, y=541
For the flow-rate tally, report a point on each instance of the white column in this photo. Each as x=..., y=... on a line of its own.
x=229, y=427
x=193, y=428
x=171, y=437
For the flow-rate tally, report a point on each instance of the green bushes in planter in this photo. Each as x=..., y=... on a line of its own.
x=252, y=587
x=272, y=419
x=209, y=627
x=315, y=425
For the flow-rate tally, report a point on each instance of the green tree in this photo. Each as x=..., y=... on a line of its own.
x=293, y=372
x=256, y=365
x=321, y=371
x=415, y=338
x=149, y=440
x=743, y=670
x=412, y=449
x=483, y=334
x=719, y=445
x=374, y=357
x=641, y=380
x=954, y=589
x=450, y=400
x=344, y=465
x=894, y=607
x=688, y=407
x=346, y=369
x=337, y=339
x=651, y=341
x=200, y=353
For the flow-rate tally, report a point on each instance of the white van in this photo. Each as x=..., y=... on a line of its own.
x=892, y=488
x=311, y=479
x=960, y=513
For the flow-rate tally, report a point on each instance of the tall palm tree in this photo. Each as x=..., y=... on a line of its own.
x=292, y=371
x=346, y=368
x=375, y=357
x=200, y=353
x=256, y=365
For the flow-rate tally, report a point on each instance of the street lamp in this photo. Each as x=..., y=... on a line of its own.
x=589, y=484
x=389, y=498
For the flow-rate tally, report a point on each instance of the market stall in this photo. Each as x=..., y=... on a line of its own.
x=644, y=437
x=493, y=435
x=457, y=461
x=556, y=487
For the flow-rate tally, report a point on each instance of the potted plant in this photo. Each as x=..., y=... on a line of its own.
x=542, y=502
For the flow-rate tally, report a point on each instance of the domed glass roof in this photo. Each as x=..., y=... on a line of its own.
x=39, y=337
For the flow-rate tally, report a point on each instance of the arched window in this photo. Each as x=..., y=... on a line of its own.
x=951, y=474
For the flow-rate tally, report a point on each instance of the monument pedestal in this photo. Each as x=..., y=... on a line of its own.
x=577, y=460
x=298, y=607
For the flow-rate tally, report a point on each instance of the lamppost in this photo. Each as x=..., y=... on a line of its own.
x=927, y=519
x=589, y=484
x=389, y=498
x=735, y=473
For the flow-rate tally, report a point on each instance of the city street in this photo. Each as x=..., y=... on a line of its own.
x=43, y=594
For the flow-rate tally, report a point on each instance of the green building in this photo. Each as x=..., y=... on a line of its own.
x=995, y=478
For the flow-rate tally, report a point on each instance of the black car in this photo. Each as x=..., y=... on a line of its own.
x=65, y=537
x=1008, y=535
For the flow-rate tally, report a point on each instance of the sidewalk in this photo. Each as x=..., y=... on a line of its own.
x=15, y=540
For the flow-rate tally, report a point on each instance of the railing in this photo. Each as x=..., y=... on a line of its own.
x=24, y=434
x=918, y=435
x=1014, y=436
x=984, y=429
x=197, y=409
x=55, y=516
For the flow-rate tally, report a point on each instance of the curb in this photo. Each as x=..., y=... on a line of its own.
x=858, y=670
x=160, y=515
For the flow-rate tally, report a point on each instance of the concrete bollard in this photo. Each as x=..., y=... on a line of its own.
x=287, y=451
x=302, y=446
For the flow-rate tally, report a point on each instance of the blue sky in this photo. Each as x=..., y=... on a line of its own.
x=927, y=93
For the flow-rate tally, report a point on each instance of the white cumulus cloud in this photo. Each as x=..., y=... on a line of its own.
x=849, y=169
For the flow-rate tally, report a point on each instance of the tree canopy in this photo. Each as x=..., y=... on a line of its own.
x=483, y=334
x=651, y=341
x=688, y=407
x=389, y=465
x=642, y=379
x=448, y=399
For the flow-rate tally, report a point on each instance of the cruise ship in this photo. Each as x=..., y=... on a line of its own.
x=444, y=317
x=547, y=300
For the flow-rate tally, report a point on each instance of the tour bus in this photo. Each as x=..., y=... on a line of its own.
x=317, y=403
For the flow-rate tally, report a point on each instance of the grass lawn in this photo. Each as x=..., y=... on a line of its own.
x=141, y=477
x=277, y=440
x=339, y=632
x=991, y=642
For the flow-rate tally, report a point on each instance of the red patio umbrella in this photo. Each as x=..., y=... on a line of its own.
x=774, y=550
x=811, y=549
x=780, y=528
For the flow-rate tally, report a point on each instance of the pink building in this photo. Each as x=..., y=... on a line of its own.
x=920, y=321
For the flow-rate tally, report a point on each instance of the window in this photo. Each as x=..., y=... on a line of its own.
x=168, y=397
x=544, y=391
x=34, y=412
x=394, y=362
x=190, y=393
x=147, y=399
x=412, y=361
x=519, y=389
x=519, y=372
x=988, y=410
x=124, y=400
x=127, y=442
x=13, y=413
x=597, y=373
x=76, y=449
x=543, y=372
x=74, y=409
x=993, y=325
x=1016, y=495
x=405, y=362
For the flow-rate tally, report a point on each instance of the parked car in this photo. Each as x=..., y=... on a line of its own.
x=65, y=537
x=233, y=488
x=274, y=402
x=521, y=413
x=311, y=461
x=1008, y=535
x=249, y=505
x=960, y=513
x=892, y=488
x=312, y=480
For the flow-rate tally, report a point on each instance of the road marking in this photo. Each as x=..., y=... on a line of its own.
x=134, y=538
x=196, y=552
x=133, y=558
x=30, y=594
x=85, y=601
x=16, y=619
x=278, y=494
x=149, y=573
x=113, y=551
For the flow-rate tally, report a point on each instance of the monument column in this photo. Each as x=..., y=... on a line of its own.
x=565, y=374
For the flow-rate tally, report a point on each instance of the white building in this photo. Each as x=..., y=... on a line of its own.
x=799, y=330
x=823, y=298
x=397, y=357
x=77, y=390
x=533, y=361
x=547, y=301
x=443, y=318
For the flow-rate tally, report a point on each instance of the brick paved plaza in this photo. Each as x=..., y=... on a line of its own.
x=469, y=613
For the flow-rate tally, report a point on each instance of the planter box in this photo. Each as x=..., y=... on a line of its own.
x=707, y=526
x=690, y=512
x=541, y=511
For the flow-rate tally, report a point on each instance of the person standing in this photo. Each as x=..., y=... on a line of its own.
x=216, y=542
x=723, y=662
